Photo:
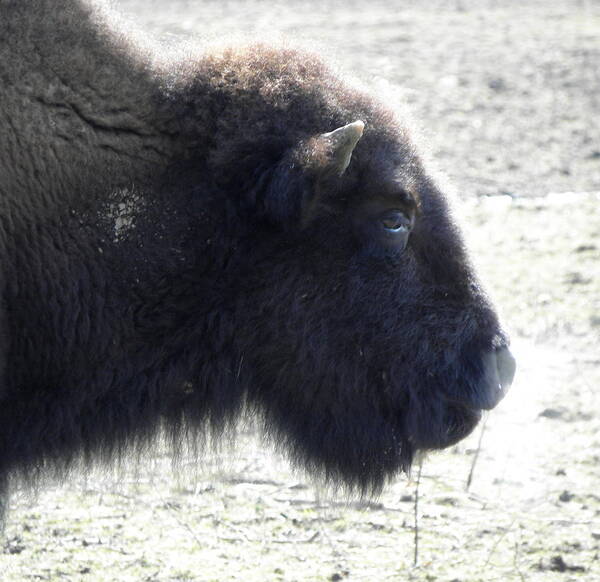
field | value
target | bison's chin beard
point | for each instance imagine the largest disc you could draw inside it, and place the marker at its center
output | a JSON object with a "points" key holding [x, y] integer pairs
{"points": [[367, 442], [361, 459]]}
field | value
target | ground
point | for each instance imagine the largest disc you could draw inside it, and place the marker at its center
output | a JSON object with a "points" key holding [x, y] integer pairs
{"points": [[507, 96]]}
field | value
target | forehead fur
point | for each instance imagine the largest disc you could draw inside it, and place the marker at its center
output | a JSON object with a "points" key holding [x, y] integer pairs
{"points": [[269, 101]]}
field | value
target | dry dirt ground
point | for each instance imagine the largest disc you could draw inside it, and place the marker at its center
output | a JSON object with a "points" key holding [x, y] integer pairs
{"points": [[508, 94]]}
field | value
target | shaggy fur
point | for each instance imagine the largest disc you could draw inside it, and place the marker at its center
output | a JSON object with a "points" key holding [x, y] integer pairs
{"points": [[174, 248]]}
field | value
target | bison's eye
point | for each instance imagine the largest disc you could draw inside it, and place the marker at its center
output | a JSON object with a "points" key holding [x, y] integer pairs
{"points": [[395, 221], [396, 226]]}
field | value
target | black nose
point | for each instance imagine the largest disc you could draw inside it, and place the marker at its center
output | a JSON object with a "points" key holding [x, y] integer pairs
{"points": [[498, 372]]}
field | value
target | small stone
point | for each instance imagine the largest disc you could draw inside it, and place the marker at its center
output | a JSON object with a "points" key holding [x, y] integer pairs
{"points": [[557, 564], [585, 247], [566, 496], [553, 413], [576, 278], [497, 84]]}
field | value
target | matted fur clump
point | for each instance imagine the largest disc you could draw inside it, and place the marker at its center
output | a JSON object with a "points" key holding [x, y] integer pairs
{"points": [[239, 230]]}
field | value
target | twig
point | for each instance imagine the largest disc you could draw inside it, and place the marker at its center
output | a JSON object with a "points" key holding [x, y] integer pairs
{"points": [[499, 539], [169, 507], [416, 514], [516, 562], [476, 456], [308, 540]]}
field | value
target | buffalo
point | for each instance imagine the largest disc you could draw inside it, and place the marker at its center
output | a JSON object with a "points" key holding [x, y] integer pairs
{"points": [[186, 238]]}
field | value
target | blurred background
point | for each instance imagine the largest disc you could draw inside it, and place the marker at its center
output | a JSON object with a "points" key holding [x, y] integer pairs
{"points": [[504, 97]]}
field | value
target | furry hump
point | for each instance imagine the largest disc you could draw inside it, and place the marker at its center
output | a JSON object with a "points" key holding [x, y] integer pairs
{"points": [[241, 230]]}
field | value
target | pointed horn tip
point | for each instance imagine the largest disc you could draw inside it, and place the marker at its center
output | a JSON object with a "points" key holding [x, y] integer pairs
{"points": [[359, 125], [354, 129]]}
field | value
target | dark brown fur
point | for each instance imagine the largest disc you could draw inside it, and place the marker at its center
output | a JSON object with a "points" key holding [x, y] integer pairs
{"points": [[174, 248]]}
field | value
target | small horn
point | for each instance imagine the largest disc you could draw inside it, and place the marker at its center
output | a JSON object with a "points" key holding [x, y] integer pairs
{"points": [[342, 141]]}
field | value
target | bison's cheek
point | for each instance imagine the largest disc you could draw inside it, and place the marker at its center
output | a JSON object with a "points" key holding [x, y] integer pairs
{"points": [[332, 422]]}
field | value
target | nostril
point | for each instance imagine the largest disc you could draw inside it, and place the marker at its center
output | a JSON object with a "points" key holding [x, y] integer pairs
{"points": [[507, 366]]}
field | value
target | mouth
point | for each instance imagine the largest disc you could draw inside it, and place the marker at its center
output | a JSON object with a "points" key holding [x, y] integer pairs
{"points": [[461, 423], [441, 422], [458, 423]]}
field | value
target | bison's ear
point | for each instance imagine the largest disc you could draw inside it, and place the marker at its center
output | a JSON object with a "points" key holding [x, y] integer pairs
{"points": [[292, 188], [340, 144]]}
